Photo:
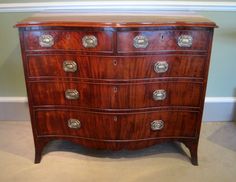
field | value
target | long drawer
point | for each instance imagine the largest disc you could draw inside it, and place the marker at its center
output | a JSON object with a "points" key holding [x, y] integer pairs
{"points": [[116, 126], [100, 67], [116, 96], [56, 40]]}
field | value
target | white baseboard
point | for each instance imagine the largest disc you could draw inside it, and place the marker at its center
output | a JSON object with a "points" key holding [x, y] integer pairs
{"points": [[220, 109], [14, 109], [216, 109]]}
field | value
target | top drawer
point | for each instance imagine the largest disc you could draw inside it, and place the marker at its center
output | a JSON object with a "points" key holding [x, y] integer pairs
{"points": [[162, 40], [55, 40]]}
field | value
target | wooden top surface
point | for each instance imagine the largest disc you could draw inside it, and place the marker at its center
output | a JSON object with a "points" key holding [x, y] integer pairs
{"points": [[116, 20]]}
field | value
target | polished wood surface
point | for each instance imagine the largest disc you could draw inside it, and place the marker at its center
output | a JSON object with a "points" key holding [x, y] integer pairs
{"points": [[69, 41], [115, 80], [116, 20], [106, 126], [162, 40], [117, 96], [50, 66]]}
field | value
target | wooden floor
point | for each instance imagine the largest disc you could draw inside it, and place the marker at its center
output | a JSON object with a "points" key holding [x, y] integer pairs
{"points": [[66, 162]]}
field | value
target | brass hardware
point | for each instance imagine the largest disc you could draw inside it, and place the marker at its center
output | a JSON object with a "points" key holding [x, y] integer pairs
{"points": [[140, 41], [161, 67], [74, 123], [115, 89], [159, 95], [46, 41], [157, 125], [115, 62], [89, 41], [115, 118], [72, 94], [69, 66], [185, 40]]}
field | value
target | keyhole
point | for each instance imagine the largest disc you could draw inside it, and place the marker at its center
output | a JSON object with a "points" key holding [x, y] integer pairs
{"points": [[162, 37], [115, 118], [114, 62], [68, 36], [115, 89]]}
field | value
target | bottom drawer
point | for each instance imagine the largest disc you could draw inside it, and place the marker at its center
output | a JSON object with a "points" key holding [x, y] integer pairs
{"points": [[109, 126]]}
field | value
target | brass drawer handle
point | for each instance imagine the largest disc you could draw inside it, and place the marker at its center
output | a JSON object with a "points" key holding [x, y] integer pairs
{"points": [[89, 41], [161, 67], [159, 95], [185, 41], [74, 123], [46, 40], [157, 125], [140, 41], [72, 94], [69, 66]]}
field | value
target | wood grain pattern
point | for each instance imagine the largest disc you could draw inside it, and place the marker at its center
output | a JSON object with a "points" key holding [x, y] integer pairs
{"points": [[162, 40], [116, 20], [69, 40], [116, 96], [115, 80], [101, 126], [191, 143], [124, 68]]}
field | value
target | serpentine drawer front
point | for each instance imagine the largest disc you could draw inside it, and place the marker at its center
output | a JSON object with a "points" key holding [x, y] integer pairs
{"points": [[107, 126], [101, 67], [116, 82], [116, 96]]}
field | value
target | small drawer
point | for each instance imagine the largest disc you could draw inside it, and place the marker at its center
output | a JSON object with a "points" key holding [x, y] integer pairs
{"points": [[104, 126], [162, 40], [116, 96], [55, 40], [100, 67]]}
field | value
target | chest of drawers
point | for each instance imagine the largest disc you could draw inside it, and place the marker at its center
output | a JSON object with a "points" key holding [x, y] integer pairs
{"points": [[116, 82]]}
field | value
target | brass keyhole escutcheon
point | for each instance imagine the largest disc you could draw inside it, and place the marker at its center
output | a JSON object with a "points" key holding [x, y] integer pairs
{"points": [[115, 62], [68, 36], [115, 118], [115, 89]]}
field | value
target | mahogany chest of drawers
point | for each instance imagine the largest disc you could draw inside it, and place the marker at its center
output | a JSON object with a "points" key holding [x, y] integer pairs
{"points": [[116, 82]]}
